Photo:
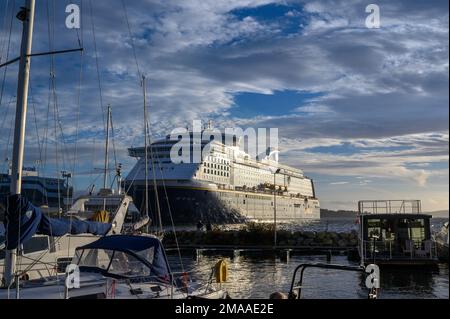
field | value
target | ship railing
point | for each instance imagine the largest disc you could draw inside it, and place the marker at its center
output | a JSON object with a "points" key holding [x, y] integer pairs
{"points": [[389, 249], [389, 207]]}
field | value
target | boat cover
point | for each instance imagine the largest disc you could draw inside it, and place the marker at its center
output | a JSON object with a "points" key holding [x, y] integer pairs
{"points": [[23, 220], [136, 244]]}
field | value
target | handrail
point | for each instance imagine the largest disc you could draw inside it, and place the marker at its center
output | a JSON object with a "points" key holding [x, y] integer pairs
{"points": [[316, 265], [381, 248]]}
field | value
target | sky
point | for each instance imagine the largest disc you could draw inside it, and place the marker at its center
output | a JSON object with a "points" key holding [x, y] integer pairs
{"points": [[364, 112]]}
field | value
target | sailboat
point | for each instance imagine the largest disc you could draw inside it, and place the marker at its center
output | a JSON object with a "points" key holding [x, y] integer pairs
{"points": [[45, 255], [133, 260]]}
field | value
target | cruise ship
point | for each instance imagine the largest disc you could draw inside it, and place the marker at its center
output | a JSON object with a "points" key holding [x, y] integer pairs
{"points": [[226, 186]]}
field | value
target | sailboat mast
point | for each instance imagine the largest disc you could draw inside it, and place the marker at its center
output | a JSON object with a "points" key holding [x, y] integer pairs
{"points": [[27, 17], [144, 85], [105, 177]]}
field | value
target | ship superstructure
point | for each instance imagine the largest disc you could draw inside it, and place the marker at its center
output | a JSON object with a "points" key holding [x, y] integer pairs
{"points": [[227, 185]]}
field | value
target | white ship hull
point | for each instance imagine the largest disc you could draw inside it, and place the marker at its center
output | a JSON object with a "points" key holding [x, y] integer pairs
{"points": [[225, 186]]}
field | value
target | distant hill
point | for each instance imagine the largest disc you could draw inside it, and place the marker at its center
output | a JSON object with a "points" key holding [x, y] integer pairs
{"points": [[439, 213], [345, 214], [348, 214]]}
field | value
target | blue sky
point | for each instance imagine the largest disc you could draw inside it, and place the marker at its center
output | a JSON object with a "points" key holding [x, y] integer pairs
{"points": [[362, 111]]}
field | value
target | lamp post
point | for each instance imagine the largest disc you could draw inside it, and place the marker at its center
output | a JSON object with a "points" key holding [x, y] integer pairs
{"points": [[275, 207]]}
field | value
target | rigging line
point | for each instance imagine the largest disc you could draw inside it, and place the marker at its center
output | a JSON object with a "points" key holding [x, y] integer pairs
{"points": [[154, 180], [97, 65], [147, 131], [7, 54], [55, 95], [46, 137], [77, 131], [147, 138], [70, 201], [39, 258], [33, 105], [93, 158], [80, 42], [166, 197], [6, 112], [8, 142], [56, 148], [49, 98], [113, 142], [171, 217], [3, 36], [132, 39]]}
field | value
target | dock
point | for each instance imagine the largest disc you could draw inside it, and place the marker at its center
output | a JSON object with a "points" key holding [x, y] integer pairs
{"points": [[283, 252]]}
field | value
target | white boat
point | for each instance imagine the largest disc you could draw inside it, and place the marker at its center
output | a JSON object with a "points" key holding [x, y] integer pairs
{"points": [[119, 267], [132, 266], [44, 256]]}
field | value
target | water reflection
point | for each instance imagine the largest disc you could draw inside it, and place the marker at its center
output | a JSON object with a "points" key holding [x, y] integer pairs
{"points": [[255, 277]]}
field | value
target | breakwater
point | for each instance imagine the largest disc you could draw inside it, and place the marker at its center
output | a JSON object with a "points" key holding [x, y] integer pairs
{"points": [[262, 235]]}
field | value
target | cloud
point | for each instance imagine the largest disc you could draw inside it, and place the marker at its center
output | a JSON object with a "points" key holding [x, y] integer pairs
{"points": [[378, 88]]}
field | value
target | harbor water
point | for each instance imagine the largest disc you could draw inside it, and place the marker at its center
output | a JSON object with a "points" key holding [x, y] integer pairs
{"points": [[256, 276]]}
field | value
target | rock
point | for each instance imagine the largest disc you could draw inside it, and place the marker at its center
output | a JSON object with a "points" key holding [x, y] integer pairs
{"points": [[333, 236], [342, 243], [309, 234]]}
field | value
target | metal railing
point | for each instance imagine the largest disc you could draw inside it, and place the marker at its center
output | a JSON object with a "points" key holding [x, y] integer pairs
{"points": [[303, 267], [388, 249], [390, 207]]}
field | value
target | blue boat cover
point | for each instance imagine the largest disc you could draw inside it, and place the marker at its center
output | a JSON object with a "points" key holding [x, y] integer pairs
{"points": [[136, 244], [23, 220]]}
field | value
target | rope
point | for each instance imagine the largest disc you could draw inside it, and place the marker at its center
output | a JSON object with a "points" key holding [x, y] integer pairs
{"points": [[132, 39], [97, 65], [114, 143], [80, 43], [3, 37], [171, 217], [33, 105], [7, 52], [8, 142]]}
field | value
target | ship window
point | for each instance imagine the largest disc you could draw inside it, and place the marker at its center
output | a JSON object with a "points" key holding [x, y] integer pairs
{"points": [[244, 201], [36, 244]]}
